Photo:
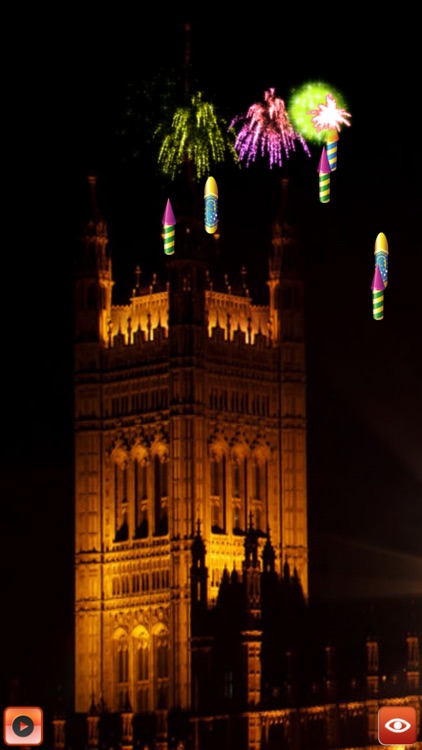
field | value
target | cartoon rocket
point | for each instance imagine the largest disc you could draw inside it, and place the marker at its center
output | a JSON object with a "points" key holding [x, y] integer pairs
{"points": [[211, 205], [381, 256], [169, 223]]}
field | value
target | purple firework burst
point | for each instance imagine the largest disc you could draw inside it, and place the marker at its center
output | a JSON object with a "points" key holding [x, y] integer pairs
{"points": [[266, 129]]}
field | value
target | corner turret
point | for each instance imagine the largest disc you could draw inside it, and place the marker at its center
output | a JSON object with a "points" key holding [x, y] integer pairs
{"points": [[93, 277]]}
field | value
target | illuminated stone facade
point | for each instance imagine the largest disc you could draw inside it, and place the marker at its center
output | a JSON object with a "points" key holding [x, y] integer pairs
{"points": [[190, 504], [189, 408]]}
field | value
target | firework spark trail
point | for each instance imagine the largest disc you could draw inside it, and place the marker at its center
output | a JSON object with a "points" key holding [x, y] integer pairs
{"points": [[196, 135], [266, 129], [328, 116]]}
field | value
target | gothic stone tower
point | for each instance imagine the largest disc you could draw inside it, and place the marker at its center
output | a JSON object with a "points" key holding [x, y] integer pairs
{"points": [[189, 413]]}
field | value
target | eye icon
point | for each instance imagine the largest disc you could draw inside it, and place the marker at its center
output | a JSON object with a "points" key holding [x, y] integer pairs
{"points": [[397, 725]]}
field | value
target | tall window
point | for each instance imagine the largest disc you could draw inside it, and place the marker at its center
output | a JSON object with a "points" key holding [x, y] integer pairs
{"points": [[236, 479], [216, 516], [160, 496], [257, 477], [164, 478], [120, 501], [260, 484], [237, 517], [121, 669], [218, 495], [162, 659], [257, 490], [215, 479], [142, 654], [162, 669], [239, 492], [141, 499]]}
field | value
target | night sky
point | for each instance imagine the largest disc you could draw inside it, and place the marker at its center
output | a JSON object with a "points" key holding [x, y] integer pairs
{"points": [[69, 85]]}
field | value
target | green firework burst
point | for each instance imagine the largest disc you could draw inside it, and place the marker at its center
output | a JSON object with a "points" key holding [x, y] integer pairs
{"points": [[305, 99]]}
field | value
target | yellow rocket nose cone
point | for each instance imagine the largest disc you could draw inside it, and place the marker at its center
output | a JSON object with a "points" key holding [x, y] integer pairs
{"points": [[381, 244], [211, 188]]}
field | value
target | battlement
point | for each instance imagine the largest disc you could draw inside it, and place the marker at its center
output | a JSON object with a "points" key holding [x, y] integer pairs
{"points": [[230, 318]]}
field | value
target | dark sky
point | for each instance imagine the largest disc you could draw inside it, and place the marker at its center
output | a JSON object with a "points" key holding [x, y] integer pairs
{"points": [[66, 92]]}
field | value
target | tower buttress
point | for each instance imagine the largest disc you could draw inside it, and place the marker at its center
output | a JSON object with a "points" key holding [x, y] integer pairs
{"points": [[93, 277]]}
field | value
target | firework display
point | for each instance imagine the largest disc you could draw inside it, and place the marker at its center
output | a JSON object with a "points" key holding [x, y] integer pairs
{"points": [[197, 135], [310, 116], [266, 130]]}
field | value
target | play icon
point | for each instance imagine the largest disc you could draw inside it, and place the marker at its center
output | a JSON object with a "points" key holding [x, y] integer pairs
{"points": [[23, 725]]}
